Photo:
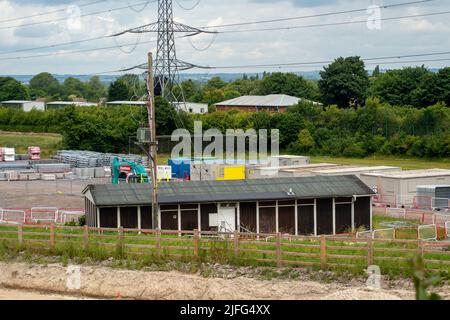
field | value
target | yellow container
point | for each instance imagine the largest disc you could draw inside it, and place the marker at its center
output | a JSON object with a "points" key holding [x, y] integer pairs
{"points": [[233, 173]]}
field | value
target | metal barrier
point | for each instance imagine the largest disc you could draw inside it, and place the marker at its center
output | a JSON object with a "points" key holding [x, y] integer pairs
{"points": [[40, 215], [43, 214]]}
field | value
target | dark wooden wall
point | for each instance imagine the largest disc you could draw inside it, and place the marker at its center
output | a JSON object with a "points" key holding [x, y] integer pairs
{"points": [[306, 220], [108, 217], [146, 218], [248, 215], [286, 219], [91, 213], [189, 217], [267, 220], [169, 217], [343, 218], [362, 212], [129, 217], [205, 210], [324, 216]]}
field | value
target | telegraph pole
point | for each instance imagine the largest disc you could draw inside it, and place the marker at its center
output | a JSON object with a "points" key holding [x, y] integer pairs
{"points": [[153, 141]]}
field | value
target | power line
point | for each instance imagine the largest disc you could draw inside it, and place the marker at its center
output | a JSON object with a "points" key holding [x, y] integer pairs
{"points": [[230, 31], [336, 23], [313, 16], [51, 12], [67, 18], [60, 53], [323, 62], [280, 66], [317, 63]]}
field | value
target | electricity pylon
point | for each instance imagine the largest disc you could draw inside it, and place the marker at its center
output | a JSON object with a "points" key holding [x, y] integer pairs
{"points": [[167, 65]]}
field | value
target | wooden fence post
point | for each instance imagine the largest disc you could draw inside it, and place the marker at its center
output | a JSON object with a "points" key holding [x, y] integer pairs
{"points": [[86, 237], [158, 242], [420, 248], [323, 252], [20, 234], [52, 236], [196, 243], [369, 252], [279, 251], [236, 243], [120, 240]]}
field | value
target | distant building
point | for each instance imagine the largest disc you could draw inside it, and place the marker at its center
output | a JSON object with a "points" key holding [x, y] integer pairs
{"points": [[126, 103], [271, 103], [24, 105], [192, 107], [399, 188], [63, 104]]}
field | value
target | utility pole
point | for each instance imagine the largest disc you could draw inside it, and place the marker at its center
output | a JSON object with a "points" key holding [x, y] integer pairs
{"points": [[153, 141]]}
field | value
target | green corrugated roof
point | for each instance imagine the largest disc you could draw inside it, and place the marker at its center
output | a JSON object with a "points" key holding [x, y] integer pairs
{"points": [[222, 191]]}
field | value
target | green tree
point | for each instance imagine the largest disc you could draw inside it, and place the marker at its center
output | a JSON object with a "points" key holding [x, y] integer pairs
{"points": [[345, 82], [73, 87], [215, 83], [398, 87], [95, 89], [11, 89], [376, 72], [127, 87], [44, 85], [286, 83], [305, 142], [118, 91]]}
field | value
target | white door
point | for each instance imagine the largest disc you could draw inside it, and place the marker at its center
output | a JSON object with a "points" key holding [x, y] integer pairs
{"points": [[227, 219]]}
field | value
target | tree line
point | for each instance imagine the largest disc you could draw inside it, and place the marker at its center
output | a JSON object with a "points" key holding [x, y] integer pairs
{"points": [[345, 83], [377, 128]]}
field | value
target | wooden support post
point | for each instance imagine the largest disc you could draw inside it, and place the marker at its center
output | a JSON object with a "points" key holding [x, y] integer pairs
{"points": [[120, 239], [86, 237], [196, 237], [323, 252], [20, 234], [279, 251], [369, 252], [236, 243], [52, 236], [158, 242], [420, 248]]}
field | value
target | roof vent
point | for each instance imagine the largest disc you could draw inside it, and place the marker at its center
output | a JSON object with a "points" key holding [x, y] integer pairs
{"points": [[290, 192]]}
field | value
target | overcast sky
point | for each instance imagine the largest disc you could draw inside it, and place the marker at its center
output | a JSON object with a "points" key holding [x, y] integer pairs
{"points": [[396, 37]]}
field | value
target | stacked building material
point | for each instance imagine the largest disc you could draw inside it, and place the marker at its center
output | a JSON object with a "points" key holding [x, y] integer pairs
{"points": [[14, 166], [52, 168], [90, 159]]}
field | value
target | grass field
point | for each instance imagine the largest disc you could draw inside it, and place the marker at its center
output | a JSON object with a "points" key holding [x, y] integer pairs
{"points": [[405, 163], [49, 143]]}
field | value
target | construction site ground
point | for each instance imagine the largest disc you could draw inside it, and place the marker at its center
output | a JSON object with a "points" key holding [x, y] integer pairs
{"points": [[39, 193], [19, 280]]}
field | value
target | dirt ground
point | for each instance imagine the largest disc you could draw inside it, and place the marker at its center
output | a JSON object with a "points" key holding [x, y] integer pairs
{"points": [[7, 294], [112, 283]]}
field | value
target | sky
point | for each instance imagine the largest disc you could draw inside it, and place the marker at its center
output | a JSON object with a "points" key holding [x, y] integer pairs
{"points": [[415, 35]]}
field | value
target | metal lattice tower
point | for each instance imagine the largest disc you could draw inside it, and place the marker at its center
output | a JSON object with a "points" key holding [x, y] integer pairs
{"points": [[166, 68], [167, 65]]}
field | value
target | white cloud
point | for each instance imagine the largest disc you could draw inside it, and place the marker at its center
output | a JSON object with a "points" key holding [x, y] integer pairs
{"points": [[305, 44]]}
